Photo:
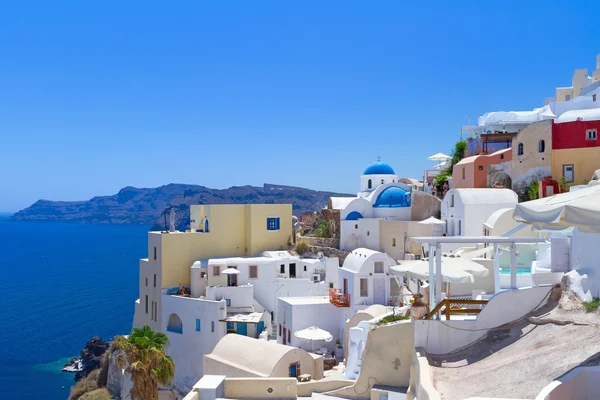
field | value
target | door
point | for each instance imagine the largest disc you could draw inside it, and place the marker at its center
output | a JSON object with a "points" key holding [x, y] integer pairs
{"points": [[260, 328], [284, 335], [294, 370], [242, 329], [230, 326], [560, 253], [568, 173], [379, 291], [292, 270]]}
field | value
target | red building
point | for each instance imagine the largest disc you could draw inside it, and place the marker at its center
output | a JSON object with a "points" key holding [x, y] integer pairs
{"points": [[576, 146]]}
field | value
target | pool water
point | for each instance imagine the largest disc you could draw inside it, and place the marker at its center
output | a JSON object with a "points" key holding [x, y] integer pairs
{"points": [[520, 271]]}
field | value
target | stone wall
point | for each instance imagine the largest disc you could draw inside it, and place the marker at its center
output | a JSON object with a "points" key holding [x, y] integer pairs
{"points": [[318, 241], [424, 205], [329, 252]]}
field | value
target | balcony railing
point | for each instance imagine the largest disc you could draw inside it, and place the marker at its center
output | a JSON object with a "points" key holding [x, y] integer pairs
{"points": [[454, 306], [339, 299]]}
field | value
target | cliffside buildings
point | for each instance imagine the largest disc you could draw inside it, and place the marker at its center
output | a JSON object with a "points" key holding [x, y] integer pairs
{"points": [[384, 213]]}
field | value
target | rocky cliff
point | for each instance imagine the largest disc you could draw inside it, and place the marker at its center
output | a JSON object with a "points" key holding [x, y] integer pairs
{"points": [[145, 206]]}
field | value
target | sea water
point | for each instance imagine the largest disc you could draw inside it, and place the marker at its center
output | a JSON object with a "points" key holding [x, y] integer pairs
{"points": [[61, 284]]}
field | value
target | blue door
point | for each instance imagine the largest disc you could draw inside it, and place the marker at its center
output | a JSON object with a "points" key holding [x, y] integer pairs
{"points": [[242, 329], [260, 328], [294, 371], [230, 326]]}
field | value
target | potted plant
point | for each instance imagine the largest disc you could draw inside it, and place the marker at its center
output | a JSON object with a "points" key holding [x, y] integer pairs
{"points": [[338, 344]]}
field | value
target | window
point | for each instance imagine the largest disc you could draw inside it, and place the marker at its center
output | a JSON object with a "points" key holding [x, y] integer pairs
{"points": [[480, 168], [569, 172], [197, 325], [368, 233], [282, 269], [591, 134], [146, 281], [567, 97], [289, 335], [502, 156], [273, 223], [382, 181], [369, 184], [146, 304], [155, 311], [452, 201], [253, 271], [212, 326], [355, 226], [279, 329], [463, 172], [154, 280], [594, 98], [305, 268], [520, 149], [152, 311], [393, 242], [228, 302], [216, 270], [459, 227], [379, 267], [155, 252], [542, 146], [364, 287]]}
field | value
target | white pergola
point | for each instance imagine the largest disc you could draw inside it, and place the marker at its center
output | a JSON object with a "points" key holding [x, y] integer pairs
{"points": [[435, 245]]}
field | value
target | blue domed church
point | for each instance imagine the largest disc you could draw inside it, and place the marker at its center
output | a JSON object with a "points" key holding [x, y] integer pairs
{"points": [[381, 197]]}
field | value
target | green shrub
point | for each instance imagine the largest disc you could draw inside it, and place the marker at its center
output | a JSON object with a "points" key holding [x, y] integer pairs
{"points": [[98, 394], [593, 305], [322, 230], [392, 318], [301, 248], [533, 190]]}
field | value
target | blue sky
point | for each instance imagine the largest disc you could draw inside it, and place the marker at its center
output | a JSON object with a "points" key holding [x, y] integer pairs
{"points": [[95, 96]]}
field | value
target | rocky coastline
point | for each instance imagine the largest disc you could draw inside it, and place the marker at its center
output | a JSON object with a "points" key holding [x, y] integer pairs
{"points": [[89, 359]]}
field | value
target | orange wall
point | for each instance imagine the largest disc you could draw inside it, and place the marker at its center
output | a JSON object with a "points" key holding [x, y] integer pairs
{"points": [[475, 169]]}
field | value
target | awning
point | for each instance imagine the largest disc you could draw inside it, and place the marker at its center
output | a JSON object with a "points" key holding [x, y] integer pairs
{"points": [[417, 269], [579, 208], [230, 271]]}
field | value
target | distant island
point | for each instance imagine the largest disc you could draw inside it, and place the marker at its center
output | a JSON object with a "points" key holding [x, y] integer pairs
{"points": [[145, 206]]}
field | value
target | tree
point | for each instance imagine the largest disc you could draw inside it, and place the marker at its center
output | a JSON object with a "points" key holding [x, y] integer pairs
{"points": [[145, 359]]}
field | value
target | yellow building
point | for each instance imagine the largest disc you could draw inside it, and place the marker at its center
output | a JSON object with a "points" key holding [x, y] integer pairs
{"points": [[220, 230]]}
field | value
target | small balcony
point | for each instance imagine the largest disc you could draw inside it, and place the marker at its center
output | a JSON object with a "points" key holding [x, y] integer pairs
{"points": [[339, 299]]}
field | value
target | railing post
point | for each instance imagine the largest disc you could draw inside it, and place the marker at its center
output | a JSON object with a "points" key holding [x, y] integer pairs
{"points": [[447, 309]]}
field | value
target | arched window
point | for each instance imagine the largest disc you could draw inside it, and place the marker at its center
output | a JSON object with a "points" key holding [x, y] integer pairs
{"points": [[382, 181], [542, 146], [520, 149], [369, 184], [175, 324]]}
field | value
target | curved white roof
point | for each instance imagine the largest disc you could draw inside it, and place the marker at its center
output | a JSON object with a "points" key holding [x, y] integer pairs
{"points": [[496, 117], [339, 203], [355, 260], [259, 356], [491, 221], [480, 196], [579, 115]]}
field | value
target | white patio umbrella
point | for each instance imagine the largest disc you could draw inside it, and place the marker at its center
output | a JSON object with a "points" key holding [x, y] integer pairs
{"points": [[230, 271], [432, 221], [580, 208], [417, 269], [439, 157], [313, 334]]}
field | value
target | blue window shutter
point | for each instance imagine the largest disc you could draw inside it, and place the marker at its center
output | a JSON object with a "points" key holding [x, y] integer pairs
{"points": [[228, 302], [268, 224], [197, 325], [277, 222]]}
